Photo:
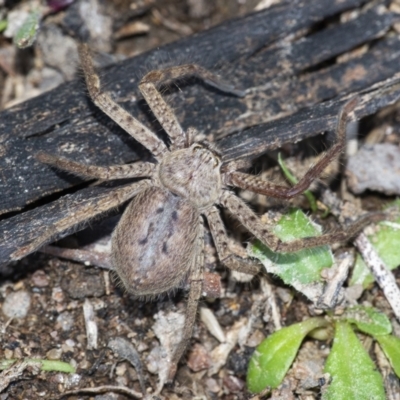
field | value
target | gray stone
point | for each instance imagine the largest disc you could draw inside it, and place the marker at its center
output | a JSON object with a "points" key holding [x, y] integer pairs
{"points": [[375, 167], [16, 304]]}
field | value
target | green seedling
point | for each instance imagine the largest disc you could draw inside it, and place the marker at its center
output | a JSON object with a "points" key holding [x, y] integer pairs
{"points": [[353, 374], [274, 356], [46, 365]]}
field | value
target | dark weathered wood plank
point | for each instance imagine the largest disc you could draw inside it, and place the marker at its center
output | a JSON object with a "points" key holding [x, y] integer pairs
{"points": [[64, 121], [23, 228], [305, 123]]}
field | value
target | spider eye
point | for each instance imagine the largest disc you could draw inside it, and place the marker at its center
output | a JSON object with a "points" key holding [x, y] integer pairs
{"points": [[217, 162], [197, 147]]}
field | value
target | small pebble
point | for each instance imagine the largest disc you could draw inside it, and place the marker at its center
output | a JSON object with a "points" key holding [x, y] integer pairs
{"points": [[375, 167], [65, 321], [199, 358], [255, 338], [84, 364], [233, 383], [65, 348], [70, 343], [18, 353], [156, 360], [121, 369], [40, 279], [57, 295], [54, 335], [73, 380], [16, 304], [57, 378], [212, 385], [54, 354], [142, 346], [8, 354]]}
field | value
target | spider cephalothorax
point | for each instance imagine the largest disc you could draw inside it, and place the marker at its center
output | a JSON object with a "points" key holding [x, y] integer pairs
{"points": [[194, 174]]}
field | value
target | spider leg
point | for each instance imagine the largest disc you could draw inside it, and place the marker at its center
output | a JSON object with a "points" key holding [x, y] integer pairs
{"points": [[131, 125], [257, 185], [160, 108], [196, 284], [136, 170], [225, 255], [246, 216], [85, 211]]}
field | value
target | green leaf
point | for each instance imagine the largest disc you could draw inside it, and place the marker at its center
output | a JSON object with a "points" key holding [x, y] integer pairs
{"points": [[353, 373], [385, 241], [47, 365], [26, 34], [368, 320], [391, 347], [274, 356], [304, 266]]}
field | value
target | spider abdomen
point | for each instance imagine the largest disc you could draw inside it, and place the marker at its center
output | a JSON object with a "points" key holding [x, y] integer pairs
{"points": [[153, 245]]}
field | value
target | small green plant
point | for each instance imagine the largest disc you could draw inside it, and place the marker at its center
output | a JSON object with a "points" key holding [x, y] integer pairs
{"points": [[353, 373]]}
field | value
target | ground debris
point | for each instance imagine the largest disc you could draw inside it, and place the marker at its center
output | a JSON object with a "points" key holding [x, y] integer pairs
{"points": [[375, 167]]}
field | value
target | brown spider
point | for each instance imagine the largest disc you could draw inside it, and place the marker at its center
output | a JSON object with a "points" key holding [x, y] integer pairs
{"points": [[159, 240]]}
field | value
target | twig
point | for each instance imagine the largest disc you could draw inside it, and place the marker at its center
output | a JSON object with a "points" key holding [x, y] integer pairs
{"points": [[383, 276], [103, 389]]}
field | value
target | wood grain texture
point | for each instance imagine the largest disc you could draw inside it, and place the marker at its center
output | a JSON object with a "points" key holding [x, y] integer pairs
{"points": [[280, 56]]}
